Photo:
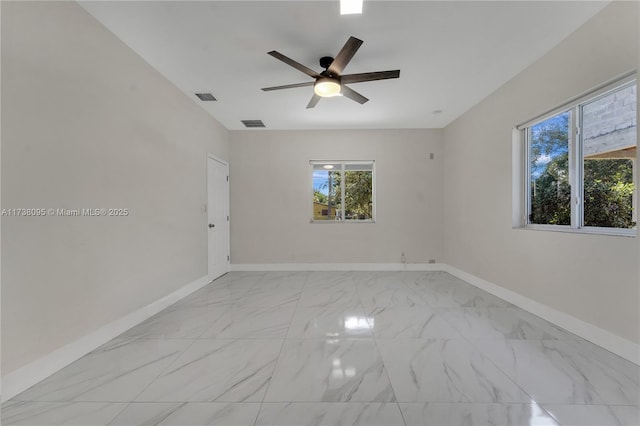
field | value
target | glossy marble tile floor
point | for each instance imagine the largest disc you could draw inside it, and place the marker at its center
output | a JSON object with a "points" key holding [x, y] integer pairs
{"points": [[338, 348]]}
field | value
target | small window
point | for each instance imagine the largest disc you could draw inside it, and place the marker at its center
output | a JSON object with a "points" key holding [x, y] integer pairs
{"points": [[580, 163], [343, 191]]}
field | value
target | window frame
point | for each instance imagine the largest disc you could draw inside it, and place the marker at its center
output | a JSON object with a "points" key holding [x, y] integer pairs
{"points": [[576, 161], [343, 163]]}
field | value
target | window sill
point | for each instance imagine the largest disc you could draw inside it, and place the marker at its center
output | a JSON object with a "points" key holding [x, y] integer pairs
{"points": [[587, 230], [342, 221]]}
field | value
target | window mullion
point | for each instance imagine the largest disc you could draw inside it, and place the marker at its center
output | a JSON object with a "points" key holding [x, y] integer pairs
{"points": [[579, 167], [574, 168], [342, 193]]}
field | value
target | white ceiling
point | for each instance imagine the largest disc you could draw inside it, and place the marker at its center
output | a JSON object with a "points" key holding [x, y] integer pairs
{"points": [[451, 54]]}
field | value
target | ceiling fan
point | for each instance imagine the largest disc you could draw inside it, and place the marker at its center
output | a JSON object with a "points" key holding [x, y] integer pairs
{"points": [[331, 82]]}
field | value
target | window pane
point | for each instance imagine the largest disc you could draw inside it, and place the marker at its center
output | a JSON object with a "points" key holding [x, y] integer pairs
{"points": [[325, 182], [550, 190], [609, 154], [359, 194]]}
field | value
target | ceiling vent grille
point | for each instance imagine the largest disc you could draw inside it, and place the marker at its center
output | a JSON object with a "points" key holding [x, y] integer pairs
{"points": [[253, 123], [206, 97]]}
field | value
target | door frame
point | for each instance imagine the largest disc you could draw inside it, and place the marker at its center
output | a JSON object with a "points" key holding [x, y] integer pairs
{"points": [[228, 222]]}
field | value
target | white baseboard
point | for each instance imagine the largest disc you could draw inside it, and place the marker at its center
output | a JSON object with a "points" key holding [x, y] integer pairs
{"points": [[34, 372], [337, 267], [611, 342]]}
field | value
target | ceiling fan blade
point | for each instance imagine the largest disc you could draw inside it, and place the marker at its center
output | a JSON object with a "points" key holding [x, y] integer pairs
{"points": [[296, 65], [369, 76], [344, 56], [353, 95], [314, 100], [289, 86]]}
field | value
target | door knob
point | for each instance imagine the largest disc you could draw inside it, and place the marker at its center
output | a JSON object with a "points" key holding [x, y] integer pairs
{"points": [[211, 225]]}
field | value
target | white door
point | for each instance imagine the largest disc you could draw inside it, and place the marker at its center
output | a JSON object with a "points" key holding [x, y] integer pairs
{"points": [[218, 217]]}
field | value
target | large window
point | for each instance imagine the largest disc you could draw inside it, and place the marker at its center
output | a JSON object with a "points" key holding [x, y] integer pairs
{"points": [[343, 191], [580, 163]]}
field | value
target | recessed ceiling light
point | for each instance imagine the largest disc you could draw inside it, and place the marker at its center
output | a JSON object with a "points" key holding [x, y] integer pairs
{"points": [[350, 7], [436, 112], [328, 166]]}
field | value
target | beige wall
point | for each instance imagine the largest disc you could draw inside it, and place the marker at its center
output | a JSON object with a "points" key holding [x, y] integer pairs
{"points": [[271, 197], [87, 124], [592, 277]]}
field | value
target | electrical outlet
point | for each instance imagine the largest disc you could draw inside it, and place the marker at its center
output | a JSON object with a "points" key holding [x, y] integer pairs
{"points": [[431, 261], [431, 156]]}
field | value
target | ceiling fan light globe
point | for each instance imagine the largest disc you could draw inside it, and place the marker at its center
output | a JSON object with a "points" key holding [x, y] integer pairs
{"points": [[327, 87]]}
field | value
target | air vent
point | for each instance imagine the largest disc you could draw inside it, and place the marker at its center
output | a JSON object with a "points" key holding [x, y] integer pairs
{"points": [[253, 123], [206, 97]]}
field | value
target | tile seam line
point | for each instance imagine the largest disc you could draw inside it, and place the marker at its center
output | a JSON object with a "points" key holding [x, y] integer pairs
{"points": [[275, 366], [375, 341], [182, 352]]}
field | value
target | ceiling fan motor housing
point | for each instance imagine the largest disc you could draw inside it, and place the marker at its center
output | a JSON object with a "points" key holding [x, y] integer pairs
{"points": [[326, 61]]}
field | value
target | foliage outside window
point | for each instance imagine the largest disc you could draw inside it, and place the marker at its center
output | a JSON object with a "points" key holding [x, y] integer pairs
{"points": [[343, 191], [581, 163]]}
